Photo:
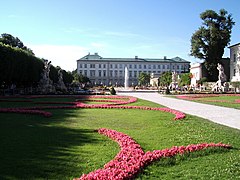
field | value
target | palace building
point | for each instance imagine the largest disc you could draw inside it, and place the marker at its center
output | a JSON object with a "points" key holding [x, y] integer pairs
{"points": [[235, 62], [110, 71]]}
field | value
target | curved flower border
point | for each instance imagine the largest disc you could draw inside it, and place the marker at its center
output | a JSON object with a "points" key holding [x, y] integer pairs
{"points": [[115, 103], [131, 159], [199, 97]]}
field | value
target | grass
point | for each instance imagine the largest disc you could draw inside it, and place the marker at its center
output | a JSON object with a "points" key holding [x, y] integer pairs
{"points": [[227, 101], [222, 100], [65, 145]]}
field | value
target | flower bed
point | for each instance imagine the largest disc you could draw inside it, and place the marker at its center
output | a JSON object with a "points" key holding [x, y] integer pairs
{"points": [[131, 158], [115, 101], [200, 97]]}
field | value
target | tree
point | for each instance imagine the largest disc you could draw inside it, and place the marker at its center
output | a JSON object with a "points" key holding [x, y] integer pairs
{"points": [[144, 78], [185, 79], [79, 78], [165, 79], [8, 39], [209, 41]]}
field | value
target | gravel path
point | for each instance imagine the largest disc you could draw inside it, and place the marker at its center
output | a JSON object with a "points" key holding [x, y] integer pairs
{"points": [[221, 115]]}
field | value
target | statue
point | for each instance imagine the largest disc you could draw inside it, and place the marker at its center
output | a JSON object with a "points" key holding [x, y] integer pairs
{"points": [[47, 66], [174, 83], [46, 84], [61, 86], [221, 84], [221, 74]]}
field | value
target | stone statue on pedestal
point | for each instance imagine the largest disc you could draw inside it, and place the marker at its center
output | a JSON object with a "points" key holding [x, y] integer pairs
{"points": [[174, 83], [61, 86], [221, 85], [46, 84]]}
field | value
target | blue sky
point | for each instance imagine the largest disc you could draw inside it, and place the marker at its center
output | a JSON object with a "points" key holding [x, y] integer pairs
{"points": [[64, 31]]}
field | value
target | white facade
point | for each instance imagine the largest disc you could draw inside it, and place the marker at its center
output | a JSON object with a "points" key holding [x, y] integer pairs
{"points": [[196, 70], [111, 71], [235, 62]]}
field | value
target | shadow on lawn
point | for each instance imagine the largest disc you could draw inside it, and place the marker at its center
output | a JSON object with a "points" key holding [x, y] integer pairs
{"points": [[34, 147]]}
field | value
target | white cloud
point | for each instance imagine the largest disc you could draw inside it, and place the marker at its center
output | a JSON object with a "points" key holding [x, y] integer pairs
{"points": [[64, 56]]}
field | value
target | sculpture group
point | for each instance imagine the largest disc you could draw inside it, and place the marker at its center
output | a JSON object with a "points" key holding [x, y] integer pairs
{"points": [[221, 85], [46, 85]]}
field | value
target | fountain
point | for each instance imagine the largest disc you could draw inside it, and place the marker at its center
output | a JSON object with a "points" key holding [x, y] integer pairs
{"points": [[126, 81]]}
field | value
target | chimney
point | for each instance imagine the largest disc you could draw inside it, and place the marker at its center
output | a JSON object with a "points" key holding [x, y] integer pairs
{"points": [[136, 57], [165, 57], [96, 54]]}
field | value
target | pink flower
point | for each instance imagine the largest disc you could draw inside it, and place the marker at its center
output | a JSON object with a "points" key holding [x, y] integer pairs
{"points": [[131, 158]]}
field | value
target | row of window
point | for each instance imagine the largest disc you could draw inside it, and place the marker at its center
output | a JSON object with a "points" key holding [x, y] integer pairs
{"points": [[114, 73], [135, 66]]}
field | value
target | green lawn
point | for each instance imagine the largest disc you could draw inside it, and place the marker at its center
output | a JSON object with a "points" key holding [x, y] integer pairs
{"points": [[221, 100], [65, 145], [227, 101]]}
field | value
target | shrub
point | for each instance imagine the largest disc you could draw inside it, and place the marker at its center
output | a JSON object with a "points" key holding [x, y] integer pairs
{"points": [[112, 91]]}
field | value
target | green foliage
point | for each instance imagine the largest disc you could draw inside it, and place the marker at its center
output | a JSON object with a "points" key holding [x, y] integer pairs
{"points": [[209, 41], [8, 39], [18, 66], [165, 79], [235, 84], [112, 91], [144, 79], [185, 79], [79, 78], [22, 68], [202, 80]]}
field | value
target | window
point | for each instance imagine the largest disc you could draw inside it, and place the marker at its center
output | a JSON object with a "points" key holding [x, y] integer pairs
{"points": [[111, 66], [159, 66], [99, 65], [145, 66], [116, 66], [130, 66], [85, 65], [120, 73], [116, 73], [110, 73], [149, 66], [234, 57], [154, 66], [135, 66], [85, 73], [234, 72], [104, 65], [92, 65], [80, 65], [104, 73], [99, 73], [130, 73], [92, 73], [120, 65], [135, 74], [140, 66], [163, 66]]}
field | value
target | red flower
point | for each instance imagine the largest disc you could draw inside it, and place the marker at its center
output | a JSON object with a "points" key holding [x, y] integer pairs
{"points": [[131, 159]]}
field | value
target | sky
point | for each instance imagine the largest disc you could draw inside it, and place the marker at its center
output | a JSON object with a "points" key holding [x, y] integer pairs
{"points": [[64, 31]]}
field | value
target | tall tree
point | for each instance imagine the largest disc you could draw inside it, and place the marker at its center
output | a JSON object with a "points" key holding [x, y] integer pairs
{"points": [[10, 40], [165, 79], [209, 41], [144, 78]]}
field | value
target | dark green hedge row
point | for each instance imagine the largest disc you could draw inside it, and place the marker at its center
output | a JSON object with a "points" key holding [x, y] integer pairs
{"points": [[21, 68]]}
